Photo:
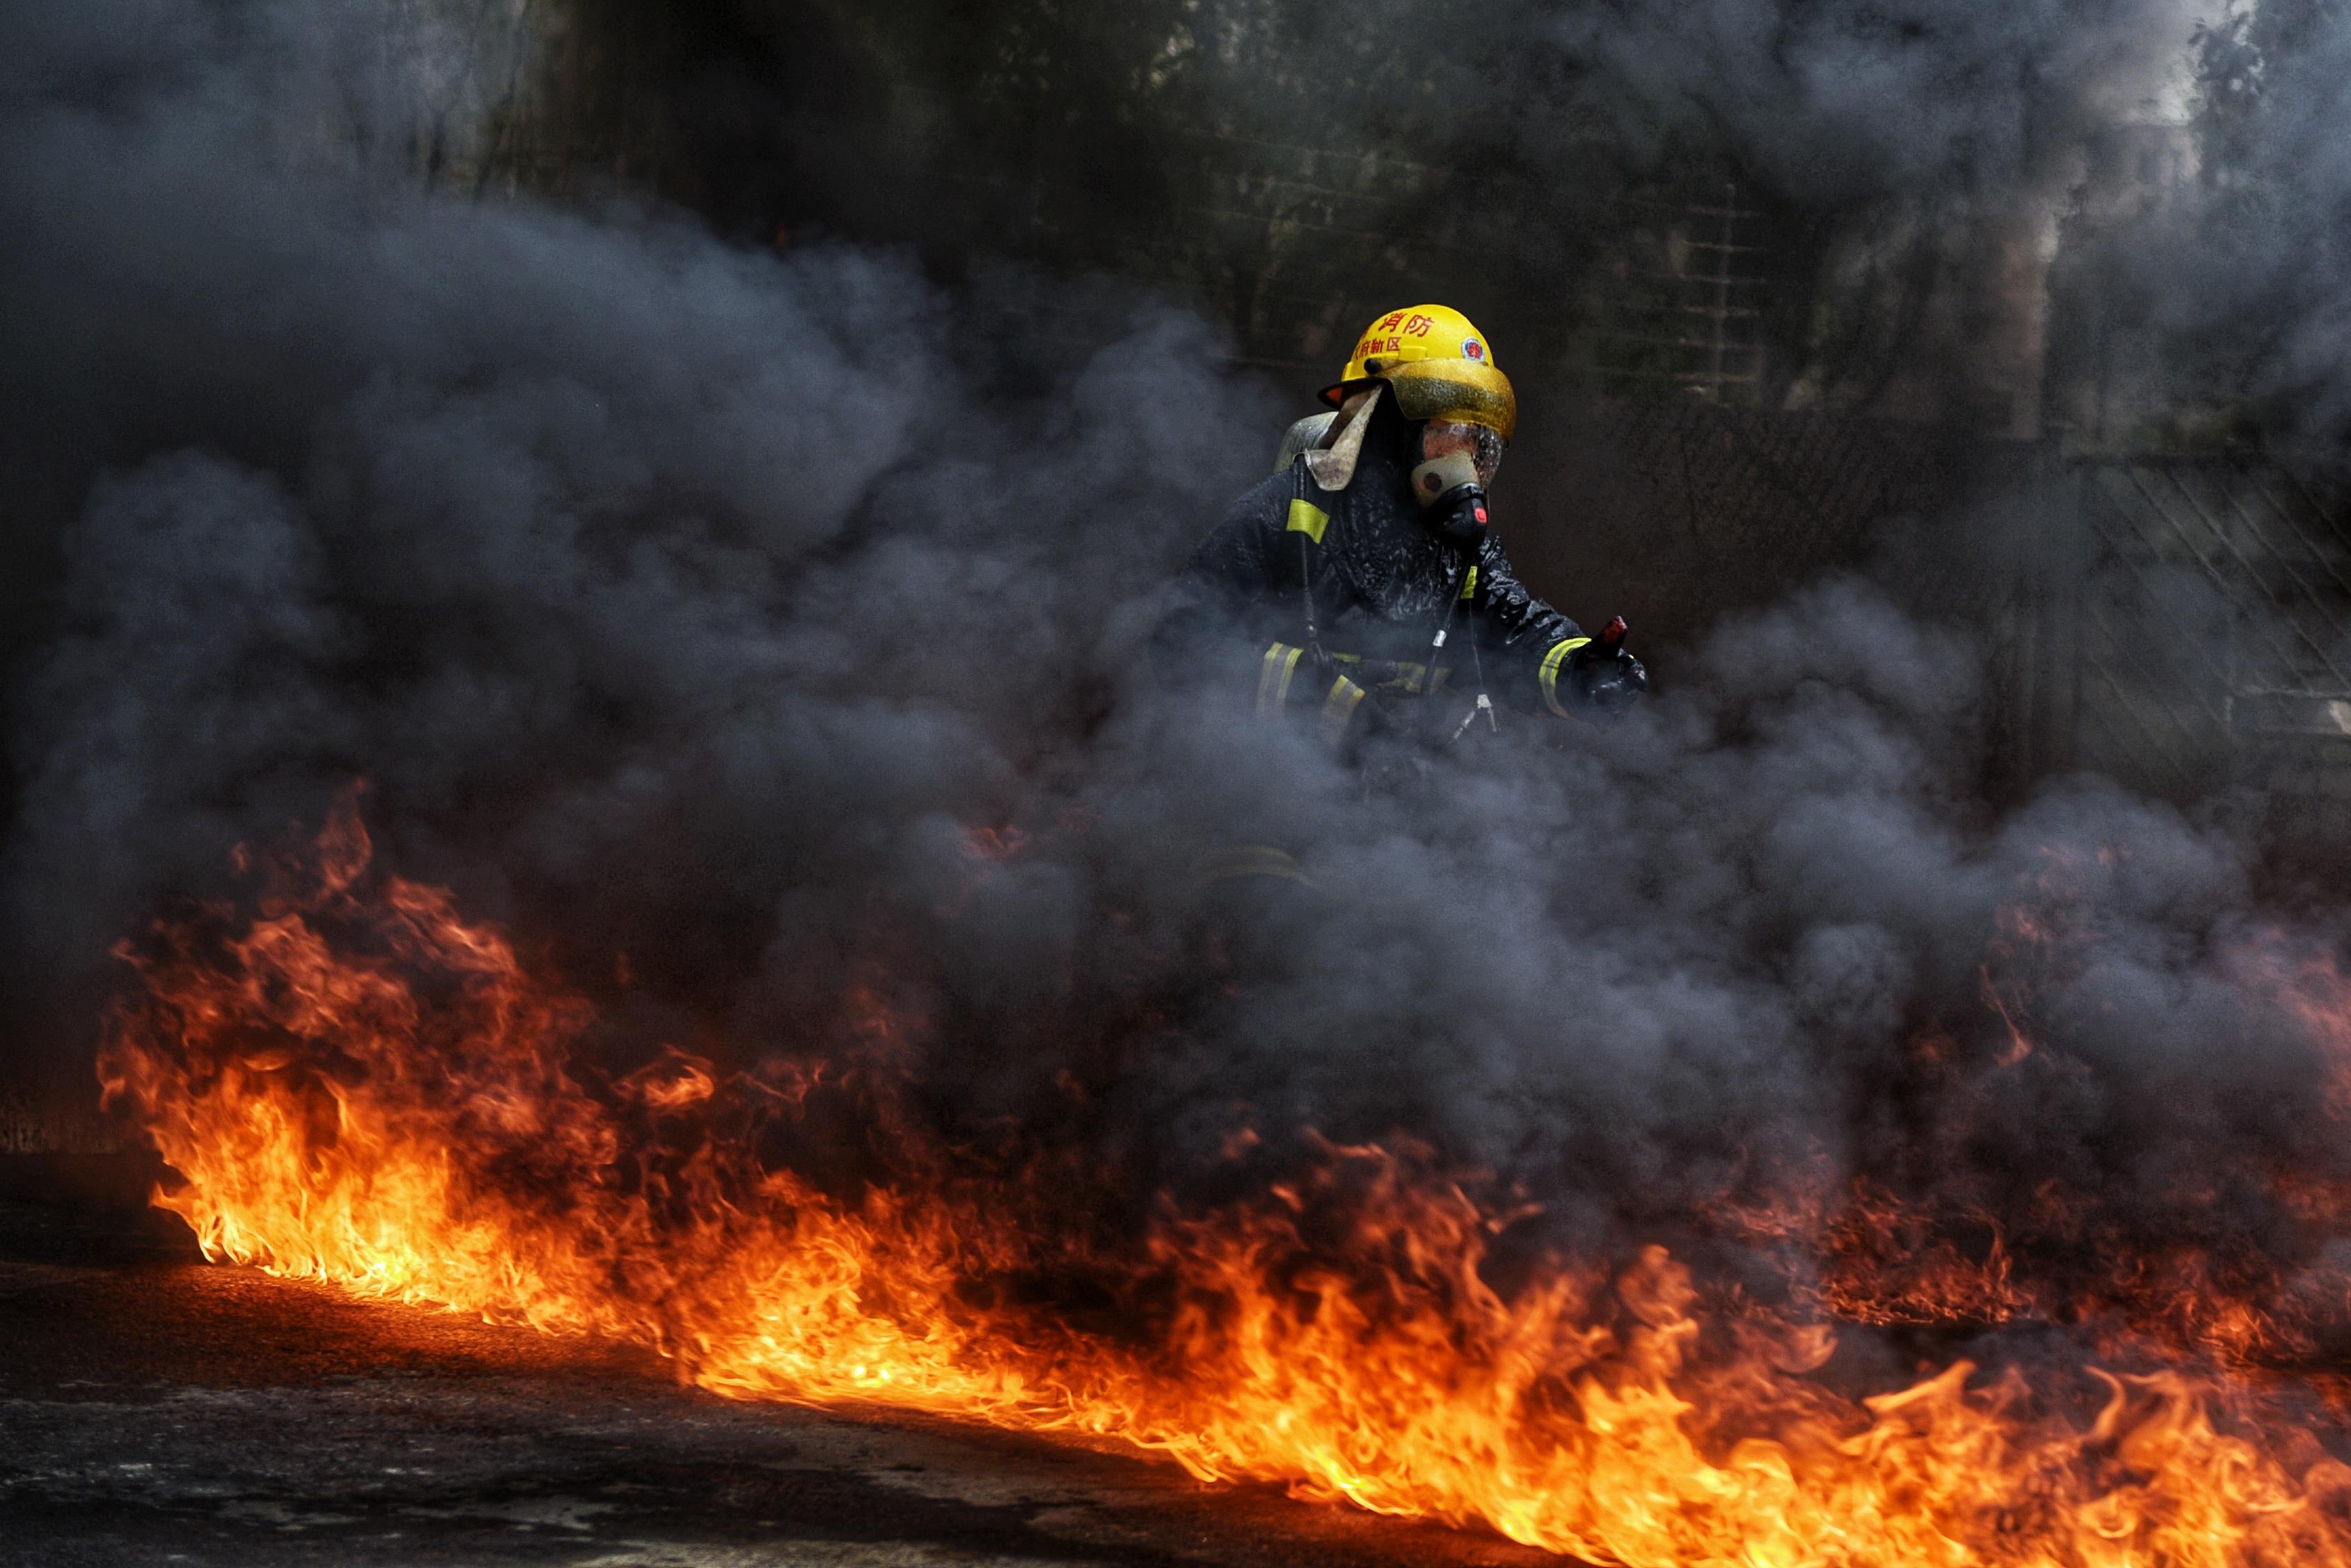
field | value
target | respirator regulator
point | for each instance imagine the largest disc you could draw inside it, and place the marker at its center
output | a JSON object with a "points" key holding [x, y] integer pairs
{"points": [[1458, 461]]}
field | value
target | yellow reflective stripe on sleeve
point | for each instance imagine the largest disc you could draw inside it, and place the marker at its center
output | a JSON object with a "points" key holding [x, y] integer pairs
{"points": [[1548, 673], [1273, 676], [1339, 709], [1469, 584], [1308, 519]]}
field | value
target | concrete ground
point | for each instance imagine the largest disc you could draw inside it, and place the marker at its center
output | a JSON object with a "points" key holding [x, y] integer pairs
{"points": [[156, 1410]]}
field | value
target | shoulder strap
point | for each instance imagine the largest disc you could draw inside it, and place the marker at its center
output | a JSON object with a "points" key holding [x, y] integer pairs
{"points": [[1306, 520]]}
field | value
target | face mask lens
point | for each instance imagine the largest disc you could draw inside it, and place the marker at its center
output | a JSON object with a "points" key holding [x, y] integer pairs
{"points": [[1490, 453], [1484, 447]]}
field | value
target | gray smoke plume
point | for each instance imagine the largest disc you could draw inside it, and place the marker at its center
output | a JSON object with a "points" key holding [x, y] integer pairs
{"points": [[696, 611]]}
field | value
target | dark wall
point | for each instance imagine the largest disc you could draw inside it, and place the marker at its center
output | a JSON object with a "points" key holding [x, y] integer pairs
{"points": [[1288, 174], [1287, 184]]}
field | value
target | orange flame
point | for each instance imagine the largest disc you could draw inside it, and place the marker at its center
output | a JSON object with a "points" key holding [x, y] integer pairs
{"points": [[359, 1086]]}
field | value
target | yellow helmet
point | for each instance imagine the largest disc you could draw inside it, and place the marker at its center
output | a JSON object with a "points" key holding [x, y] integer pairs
{"points": [[1437, 364]]}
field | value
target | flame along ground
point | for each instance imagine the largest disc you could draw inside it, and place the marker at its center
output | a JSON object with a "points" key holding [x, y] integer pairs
{"points": [[360, 1086]]}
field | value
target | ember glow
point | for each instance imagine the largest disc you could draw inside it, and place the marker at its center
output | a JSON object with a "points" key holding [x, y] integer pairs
{"points": [[360, 1085]]}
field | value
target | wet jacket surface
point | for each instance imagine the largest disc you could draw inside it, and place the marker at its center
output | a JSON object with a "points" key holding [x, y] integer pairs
{"points": [[1380, 581]]}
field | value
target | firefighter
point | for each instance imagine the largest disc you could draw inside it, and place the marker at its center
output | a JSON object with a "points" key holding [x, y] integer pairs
{"points": [[1366, 568]]}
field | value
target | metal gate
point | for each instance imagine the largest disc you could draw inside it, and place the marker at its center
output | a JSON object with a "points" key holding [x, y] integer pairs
{"points": [[2212, 637]]}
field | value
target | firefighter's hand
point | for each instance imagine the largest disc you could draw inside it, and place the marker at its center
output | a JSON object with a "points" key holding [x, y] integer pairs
{"points": [[1614, 684], [1607, 676]]}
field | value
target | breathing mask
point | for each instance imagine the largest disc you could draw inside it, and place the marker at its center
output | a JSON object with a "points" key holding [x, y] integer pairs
{"points": [[1458, 460]]}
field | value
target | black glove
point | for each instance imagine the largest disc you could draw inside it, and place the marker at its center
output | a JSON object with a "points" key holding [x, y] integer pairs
{"points": [[1606, 677]]}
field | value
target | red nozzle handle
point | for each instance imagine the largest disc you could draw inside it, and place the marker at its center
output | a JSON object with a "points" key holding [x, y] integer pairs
{"points": [[1612, 636]]}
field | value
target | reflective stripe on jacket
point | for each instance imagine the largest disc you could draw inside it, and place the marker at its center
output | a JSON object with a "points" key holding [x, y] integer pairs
{"points": [[1380, 581]]}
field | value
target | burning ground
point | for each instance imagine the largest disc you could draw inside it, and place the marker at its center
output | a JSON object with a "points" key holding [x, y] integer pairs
{"points": [[769, 937], [160, 1411], [362, 1087]]}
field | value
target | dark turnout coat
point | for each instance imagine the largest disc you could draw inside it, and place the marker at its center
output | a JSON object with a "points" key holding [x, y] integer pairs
{"points": [[1378, 583]]}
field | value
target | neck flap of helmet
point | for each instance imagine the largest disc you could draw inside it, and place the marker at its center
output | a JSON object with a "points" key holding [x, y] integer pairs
{"points": [[1333, 463]]}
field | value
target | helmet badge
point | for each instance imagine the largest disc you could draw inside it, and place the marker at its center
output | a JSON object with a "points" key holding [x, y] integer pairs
{"points": [[1471, 349]]}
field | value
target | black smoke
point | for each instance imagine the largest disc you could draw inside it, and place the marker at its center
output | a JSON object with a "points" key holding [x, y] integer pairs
{"points": [[712, 616]]}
